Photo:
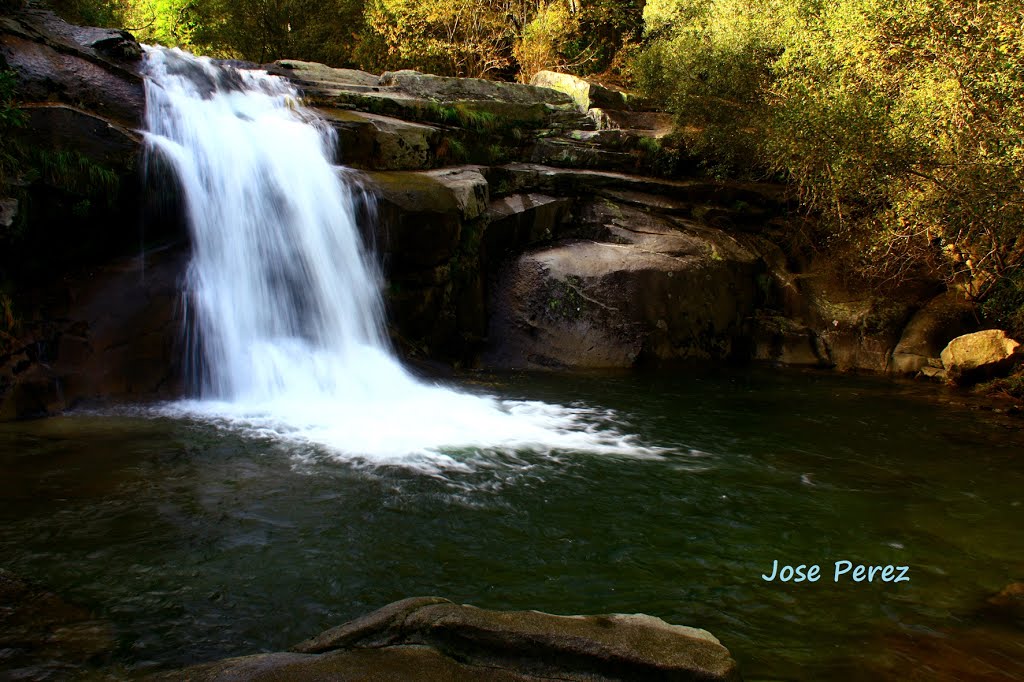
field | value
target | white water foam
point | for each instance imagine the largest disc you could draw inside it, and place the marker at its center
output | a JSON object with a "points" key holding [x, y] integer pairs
{"points": [[286, 316]]}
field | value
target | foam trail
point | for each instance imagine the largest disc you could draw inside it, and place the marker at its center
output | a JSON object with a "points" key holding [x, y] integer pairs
{"points": [[286, 318]]}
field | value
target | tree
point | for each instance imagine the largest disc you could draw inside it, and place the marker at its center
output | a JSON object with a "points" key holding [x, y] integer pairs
{"points": [[542, 40], [901, 123], [448, 37]]}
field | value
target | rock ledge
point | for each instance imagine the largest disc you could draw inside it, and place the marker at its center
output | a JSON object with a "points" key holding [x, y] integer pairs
{"points": [[430, 638]]}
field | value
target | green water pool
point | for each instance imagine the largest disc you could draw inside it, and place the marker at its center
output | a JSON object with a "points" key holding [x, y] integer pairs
{"points": [[195, 543]]}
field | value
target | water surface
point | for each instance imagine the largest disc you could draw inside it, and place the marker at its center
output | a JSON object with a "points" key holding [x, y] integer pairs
{"points": [[197, 541]]}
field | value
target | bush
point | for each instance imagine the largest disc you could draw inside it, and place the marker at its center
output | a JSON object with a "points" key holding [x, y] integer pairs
{"points": [[901, 123], [539, 47]]}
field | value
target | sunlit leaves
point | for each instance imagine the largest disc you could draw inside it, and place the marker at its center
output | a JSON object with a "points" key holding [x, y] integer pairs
{"points": [[901, 121]]}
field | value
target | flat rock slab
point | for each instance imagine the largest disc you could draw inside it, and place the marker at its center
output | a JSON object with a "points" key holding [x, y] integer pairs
{"points": [[429, 638], [423, 97]]}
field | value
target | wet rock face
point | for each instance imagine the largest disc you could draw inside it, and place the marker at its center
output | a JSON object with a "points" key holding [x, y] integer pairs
{"points": [[90, 68], [83, 100], [97, 320], [115, 333], [429, 638]]}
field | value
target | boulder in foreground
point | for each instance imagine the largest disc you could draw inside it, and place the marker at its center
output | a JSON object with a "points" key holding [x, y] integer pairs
{"points": [[975, 357], [429, 638]]}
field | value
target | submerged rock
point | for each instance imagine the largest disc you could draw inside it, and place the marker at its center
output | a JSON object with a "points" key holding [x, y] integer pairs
{"points": [[429, 638], [44, 637], [982, 355], [1007, 605]]}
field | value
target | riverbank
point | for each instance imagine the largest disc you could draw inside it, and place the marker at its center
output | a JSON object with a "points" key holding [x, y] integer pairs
{"points": [[518, 227]]}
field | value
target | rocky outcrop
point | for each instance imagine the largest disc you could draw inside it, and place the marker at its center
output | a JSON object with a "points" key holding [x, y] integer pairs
{"points": [[585, 94], [376, 142], [420, 97], [428, 236], [83, 101], [450, 240], [945, 317], [975, 357], [778, 339], [406, 120], [859, 329], [88, 324], [89, 68], [113, 333], [642, 288], [430, 638], [518, 226]]}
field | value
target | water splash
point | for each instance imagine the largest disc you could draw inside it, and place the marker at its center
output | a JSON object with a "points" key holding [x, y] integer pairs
{"points": [[286, 319]]}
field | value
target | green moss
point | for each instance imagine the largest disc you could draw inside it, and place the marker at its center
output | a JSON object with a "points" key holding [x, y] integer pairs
{"points": [[566, 298]]}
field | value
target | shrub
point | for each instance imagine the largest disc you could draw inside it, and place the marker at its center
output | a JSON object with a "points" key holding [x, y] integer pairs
{"points": [[901, 123]]}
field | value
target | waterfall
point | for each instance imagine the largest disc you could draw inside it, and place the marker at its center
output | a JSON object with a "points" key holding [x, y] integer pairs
{"points": [[284, 306]]}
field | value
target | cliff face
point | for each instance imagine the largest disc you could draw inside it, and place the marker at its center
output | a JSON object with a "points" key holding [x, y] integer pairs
{"points": [[519, 226], [92, 317]]}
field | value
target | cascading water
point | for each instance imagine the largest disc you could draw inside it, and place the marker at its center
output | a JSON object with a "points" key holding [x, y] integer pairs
{"points": [[285, 305]]}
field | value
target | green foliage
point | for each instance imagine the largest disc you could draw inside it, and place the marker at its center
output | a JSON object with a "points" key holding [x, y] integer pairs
{"points": [[1004, 306], [76, 174], [901, 123], [447, 37], [255, 30], [260, 31], [88, 12], [166, 22], [462, 116], [1006, 387], [10, 118], [481, 121], [606, 27], [487, 38], [452, 150], [479, 38], [541, 44]]}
